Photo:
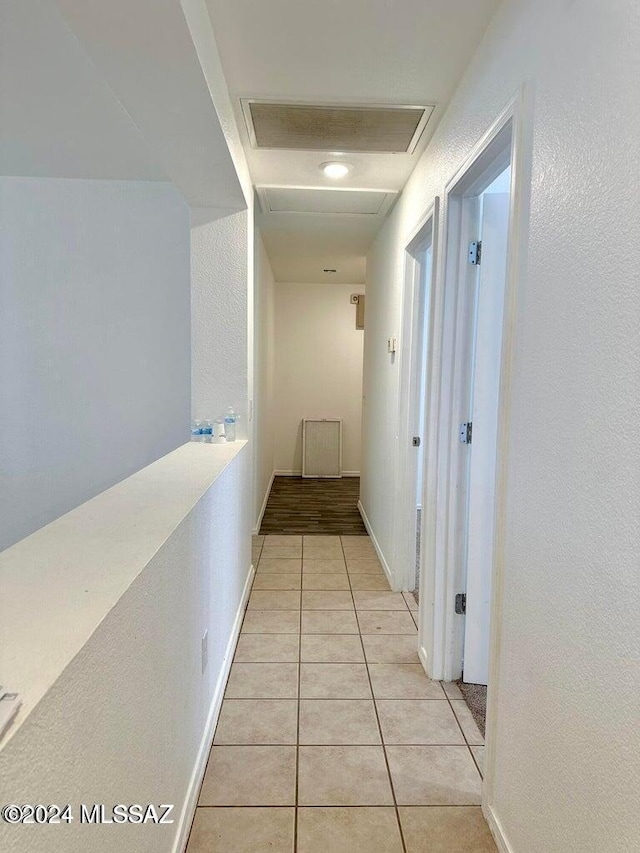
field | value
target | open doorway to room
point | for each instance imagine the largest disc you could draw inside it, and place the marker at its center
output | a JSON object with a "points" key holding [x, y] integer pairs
{"points": [[458, 561], [416, 343], [487, 254]]}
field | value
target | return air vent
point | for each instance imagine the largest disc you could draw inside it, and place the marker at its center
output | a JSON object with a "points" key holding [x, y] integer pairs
{"points": [[322, 448], [325, 200], [325, 127]]}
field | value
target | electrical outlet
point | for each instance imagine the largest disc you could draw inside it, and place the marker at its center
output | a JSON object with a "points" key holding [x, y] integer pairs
{"points": [[205, 650]]}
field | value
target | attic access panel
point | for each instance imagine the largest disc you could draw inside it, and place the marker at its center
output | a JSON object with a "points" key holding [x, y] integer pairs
{"points": [[318, 127], [325, 200]]}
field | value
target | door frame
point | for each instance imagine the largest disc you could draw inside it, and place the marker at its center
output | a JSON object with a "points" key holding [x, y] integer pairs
{"points": [[440, 630], [408, 403]]}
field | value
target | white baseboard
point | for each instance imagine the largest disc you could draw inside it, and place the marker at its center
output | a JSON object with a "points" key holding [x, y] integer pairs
{"points": [[291, 473], [256, 529], [191, 800], [423, 659], [376, 545], [496, 830]]}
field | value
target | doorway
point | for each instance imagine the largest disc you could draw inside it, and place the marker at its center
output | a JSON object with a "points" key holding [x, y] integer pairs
{"points": [[467, 408], [478, 208], [488, 225], [415, 370]]}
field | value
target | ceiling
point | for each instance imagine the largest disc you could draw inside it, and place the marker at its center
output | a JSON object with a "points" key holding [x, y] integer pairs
{"points": [[340, 52], [59, 117], [85, 92]]}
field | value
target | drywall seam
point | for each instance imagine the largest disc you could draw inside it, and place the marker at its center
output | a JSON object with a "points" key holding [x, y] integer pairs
{"points": [[195, 783], [376, 545]]}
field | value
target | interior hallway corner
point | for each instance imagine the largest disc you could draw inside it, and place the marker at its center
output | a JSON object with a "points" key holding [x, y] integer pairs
{"points": [[330, 735]]}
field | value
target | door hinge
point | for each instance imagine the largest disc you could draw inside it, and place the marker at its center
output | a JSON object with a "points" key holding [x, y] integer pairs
{"points": [[461, 603], [475, 252], [416, 441], [466, 432]]}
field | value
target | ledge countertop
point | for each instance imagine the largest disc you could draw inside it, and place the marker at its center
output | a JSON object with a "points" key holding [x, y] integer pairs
{"points": [[58, 584]]}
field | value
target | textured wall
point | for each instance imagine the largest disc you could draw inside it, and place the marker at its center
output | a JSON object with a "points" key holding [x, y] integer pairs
{"points": [[264, 365], [94, 331], [318, 368], [219, 308], [124, 722], [567, 772]]}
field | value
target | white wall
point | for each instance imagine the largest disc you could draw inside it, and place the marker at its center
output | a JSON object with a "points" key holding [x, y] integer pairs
{"points": [[264, 379], [318, 368], [219, 301], [566, 776], [94, 331], [130, 718]]}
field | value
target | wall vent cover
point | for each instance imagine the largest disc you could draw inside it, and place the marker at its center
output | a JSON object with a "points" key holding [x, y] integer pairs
{"points": [[334, 127], [322, 448]]}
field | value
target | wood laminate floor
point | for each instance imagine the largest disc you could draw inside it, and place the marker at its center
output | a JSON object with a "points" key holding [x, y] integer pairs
{"points": [[298, 505]]}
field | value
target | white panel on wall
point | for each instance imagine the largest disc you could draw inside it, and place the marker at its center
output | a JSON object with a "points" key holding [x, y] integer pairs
{"points": [[321, 448]]}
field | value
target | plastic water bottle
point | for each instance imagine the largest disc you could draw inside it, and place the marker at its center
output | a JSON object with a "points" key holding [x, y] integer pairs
{"points": [[207, 431], [196, 431], [218, 431], [230, 420]]}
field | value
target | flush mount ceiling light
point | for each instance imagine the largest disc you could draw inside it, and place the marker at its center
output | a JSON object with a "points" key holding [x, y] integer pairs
{"points": [[333, 169]]}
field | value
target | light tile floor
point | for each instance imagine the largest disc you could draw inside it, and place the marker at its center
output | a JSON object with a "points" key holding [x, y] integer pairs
{"points": [[330, 735]]}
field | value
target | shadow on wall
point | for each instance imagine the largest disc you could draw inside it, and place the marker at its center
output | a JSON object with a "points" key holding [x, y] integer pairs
{"points": [[297, 450], [207, 215]]}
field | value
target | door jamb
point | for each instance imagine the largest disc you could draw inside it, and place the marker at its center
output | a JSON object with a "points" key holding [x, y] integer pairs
{"points": [[407, 415], [437, 646]]}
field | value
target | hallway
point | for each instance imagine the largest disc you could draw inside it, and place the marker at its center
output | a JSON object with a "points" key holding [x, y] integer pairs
{"points": [[330, 734], [298, 505]]}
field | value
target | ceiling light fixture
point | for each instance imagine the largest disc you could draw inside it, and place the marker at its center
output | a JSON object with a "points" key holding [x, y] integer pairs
{"points": [[335, 169]]}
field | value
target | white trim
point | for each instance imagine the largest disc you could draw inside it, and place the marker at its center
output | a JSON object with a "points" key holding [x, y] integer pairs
{"points": [[256, 529], [197, 775], [404, 534], [521, 163], [376, 545], [497, 831], [437, 618], [422, 654]]}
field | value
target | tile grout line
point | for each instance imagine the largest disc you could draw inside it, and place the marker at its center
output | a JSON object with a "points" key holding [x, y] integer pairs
{"points": [[297, 797], [464, 737], [375, 710]]}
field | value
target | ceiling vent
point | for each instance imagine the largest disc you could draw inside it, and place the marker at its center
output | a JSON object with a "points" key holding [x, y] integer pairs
{"points": [[325, 200], [332, 127]]}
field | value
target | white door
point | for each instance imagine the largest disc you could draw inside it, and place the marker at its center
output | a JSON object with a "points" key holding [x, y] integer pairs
{"points": [[484, 407]]}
